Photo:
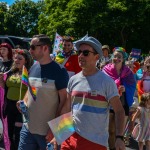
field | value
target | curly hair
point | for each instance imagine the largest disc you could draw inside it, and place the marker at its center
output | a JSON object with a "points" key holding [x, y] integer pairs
{"points": [[144, 98], [26, 55]]}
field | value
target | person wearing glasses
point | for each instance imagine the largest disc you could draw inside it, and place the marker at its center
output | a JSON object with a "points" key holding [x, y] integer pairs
{"points": [[68, 57], [45, 96], [90, 93]]}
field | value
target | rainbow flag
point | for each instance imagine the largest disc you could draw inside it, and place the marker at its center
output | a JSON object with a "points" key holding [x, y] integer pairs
{"points": [[24, 78], [62, 127], [26, 82], [33, 92]]}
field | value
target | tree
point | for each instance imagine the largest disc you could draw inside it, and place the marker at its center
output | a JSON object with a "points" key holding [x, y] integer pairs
{"points": [[22, 18], [113, 22], [3, 10]]}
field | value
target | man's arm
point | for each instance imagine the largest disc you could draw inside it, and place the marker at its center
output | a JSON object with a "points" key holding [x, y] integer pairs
{"points": [[64, 107], [119, 114], [67, 105], [119, 121], [63, 98]]}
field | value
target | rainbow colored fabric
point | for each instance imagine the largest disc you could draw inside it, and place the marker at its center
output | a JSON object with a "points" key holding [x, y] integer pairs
{"points": [[33, 92], [119, 49], [24, 76], [62, 56], [62, 127], [125, 78], [140, 89], [122, 50], [25, 81]]}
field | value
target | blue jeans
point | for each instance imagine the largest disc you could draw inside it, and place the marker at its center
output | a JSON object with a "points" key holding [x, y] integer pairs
{"points": [[29, 141]]}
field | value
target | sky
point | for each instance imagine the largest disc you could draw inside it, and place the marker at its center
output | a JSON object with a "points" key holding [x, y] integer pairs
{"points": [[9, 2]]}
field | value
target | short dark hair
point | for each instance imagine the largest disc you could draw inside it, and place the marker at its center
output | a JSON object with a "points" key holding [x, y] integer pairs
{"points": [[67, 39], [44, 39]]}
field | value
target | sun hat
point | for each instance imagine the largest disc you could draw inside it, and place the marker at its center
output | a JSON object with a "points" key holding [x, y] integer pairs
{"points": [[92, 42], [106, 47]]}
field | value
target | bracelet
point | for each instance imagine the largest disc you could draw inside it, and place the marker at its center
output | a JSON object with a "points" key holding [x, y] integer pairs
{"points": [[119, 137]]}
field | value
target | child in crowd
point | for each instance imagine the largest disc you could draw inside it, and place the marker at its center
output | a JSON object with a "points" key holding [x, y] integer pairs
{"points": [[127, 132], [143, 112]]}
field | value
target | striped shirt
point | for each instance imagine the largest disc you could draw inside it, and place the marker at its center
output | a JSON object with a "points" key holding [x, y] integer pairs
{"points": [[90, 105]]}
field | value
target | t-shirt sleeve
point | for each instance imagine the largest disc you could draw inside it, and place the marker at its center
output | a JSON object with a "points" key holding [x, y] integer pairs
{"points": [[112, 90], [62, 79]]}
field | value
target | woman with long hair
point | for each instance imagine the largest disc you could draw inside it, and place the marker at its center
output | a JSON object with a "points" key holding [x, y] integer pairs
{"points": [[126, 84], [14, 92]]}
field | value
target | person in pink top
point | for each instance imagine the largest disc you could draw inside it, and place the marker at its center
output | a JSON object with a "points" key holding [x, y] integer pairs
{"points": [[143, 113]]}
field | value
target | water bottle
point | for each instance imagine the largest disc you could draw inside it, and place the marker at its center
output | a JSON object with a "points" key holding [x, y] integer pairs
{"points": [[50, 146], [24, 110]]}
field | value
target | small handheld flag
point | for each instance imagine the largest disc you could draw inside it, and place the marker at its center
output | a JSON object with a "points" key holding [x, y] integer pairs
{"points": [[25, 81], [24, 76], [62, 127], [33, 92]]}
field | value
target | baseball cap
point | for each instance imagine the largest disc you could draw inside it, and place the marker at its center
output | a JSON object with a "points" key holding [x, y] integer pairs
{"points": [[92, 42]]}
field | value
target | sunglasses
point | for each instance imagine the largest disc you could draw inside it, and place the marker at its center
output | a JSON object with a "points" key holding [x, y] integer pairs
{"points": [[85, 52], [33, 47]]}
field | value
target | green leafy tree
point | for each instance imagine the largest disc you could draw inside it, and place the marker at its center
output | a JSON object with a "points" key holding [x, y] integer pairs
{"points": [[22, 18], [113, 22], [3, 10]]}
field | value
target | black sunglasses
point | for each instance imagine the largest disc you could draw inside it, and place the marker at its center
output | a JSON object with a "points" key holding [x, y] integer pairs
{"points": [[33, 47], [85, 52]]}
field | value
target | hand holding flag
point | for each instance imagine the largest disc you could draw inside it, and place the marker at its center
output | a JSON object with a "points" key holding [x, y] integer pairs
{"points": [[62, 127]]}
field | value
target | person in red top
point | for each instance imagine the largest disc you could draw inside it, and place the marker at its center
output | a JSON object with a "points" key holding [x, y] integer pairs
{"points": [[68, 57]]}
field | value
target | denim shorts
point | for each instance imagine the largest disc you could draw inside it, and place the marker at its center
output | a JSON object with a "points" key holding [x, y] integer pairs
{"points": [[29, 141]]}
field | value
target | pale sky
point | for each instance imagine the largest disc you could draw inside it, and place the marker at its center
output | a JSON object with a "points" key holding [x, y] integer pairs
{"points": [[9, 2]]}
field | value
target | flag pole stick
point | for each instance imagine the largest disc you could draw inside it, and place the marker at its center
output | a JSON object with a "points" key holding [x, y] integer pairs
{"points": [[20, 87]]}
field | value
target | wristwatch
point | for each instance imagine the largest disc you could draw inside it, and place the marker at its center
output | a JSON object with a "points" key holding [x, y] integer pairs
{"points": [[119, 137]]}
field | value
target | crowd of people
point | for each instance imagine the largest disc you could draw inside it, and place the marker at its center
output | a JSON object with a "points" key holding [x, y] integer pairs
{"points": [[98, 87]]}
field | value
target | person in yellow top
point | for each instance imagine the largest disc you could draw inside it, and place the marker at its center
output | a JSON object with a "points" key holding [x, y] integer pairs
{"points": [[13, 92]]}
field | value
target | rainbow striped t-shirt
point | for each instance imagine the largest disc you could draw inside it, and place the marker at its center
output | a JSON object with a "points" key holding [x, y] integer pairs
{"points": [[90, 105]]}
